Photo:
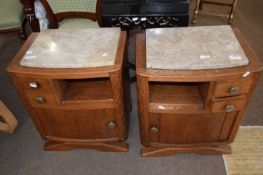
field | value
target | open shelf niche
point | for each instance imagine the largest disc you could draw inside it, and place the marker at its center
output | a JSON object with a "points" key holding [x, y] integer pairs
{"points": [[86, 90], [178, 95]]}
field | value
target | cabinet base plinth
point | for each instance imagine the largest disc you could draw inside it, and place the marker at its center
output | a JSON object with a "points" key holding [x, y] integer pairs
{"points": [[103, 147], [154, 152]]}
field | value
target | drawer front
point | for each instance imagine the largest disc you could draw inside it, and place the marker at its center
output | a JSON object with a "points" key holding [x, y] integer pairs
{"points": [[224, 89], [36, 84], [228, 105], [40, 100]]}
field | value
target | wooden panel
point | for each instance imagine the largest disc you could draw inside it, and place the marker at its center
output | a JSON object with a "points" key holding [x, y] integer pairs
{"points": [[78, 124], [102, 130], [143, 101], [228, 126], [222, 89], [206, 90], [219, 105], [190, 128], [154, 122]]}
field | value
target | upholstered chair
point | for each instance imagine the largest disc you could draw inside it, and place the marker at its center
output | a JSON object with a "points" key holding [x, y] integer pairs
{"points": [[73, 13], [10, 16]]}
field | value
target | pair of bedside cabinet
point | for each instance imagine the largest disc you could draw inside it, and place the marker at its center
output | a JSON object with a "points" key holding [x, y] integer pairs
{"points": [[193, 86]]}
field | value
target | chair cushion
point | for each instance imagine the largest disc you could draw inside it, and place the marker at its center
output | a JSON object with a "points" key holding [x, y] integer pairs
{"points": [[73, 5], [10, 14], [77, 23]]}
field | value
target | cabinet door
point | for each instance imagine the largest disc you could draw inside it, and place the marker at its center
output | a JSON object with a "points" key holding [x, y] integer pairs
{"points": [[78, 124], [187, 128]]}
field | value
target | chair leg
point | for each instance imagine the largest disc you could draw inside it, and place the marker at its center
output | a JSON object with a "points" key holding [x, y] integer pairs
{"points": [[232, 13], [8, 122], [196, 11], [201, 5]]}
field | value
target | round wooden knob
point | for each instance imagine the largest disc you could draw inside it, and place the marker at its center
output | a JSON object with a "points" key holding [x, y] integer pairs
{"points": [[230, 108], [234, 90], [111, 125], [33, 85], [40, 100], [154, 130]]}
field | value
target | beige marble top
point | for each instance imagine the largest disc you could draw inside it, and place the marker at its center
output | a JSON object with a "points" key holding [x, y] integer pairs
{"points": [[207, 47], [73, 48]]}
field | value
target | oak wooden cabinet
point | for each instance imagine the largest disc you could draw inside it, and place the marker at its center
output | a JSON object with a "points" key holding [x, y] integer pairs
{"points": [[196, 111], [77, 107]]}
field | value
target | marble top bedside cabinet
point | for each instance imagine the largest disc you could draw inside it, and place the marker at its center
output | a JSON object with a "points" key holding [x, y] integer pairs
{"points": [[73, 83], [193, 88]]}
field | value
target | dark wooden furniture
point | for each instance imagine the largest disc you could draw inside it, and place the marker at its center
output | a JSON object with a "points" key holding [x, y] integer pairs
{"points": [[199, 4], [77, 107], [196, 111], [126, 14], [144, 13]]}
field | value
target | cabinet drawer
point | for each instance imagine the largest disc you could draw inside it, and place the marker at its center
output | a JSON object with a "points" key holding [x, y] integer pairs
{"points": [[36, 84], [228, 104], [40, 100], [224, 89]]}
